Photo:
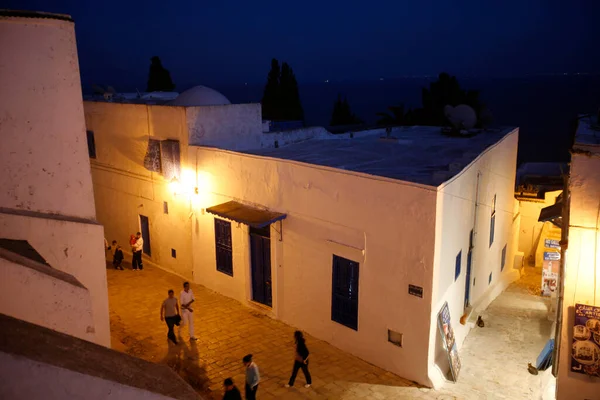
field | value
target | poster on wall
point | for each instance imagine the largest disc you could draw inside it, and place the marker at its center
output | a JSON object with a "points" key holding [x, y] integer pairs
{"points": [[585, 350], [447, 333], [550, 272]]}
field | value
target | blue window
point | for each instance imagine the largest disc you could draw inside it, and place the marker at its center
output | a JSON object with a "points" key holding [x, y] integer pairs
{"points": [[223, 246], [344, 292], [503, 261], [490, 279], [457, 266], [493, 221], [91, 142]]}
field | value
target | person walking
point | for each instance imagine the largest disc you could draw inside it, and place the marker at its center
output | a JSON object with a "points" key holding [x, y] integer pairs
{"points": [[137, 249], [252, 377], [300, 360], [169, 312], [186, 298], [117, 256], [231, 391]]}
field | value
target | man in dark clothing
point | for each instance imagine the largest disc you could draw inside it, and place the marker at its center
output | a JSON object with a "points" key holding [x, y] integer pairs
{"points": [[169, 312], [231, 391], [118, 256], [300, 360]]}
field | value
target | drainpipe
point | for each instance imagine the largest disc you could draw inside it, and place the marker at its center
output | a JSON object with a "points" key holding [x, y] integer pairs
{"points": [[474, 235], [564, 244]]}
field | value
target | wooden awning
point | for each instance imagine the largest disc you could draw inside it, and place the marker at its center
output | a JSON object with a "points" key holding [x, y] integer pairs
{"points": [[244, 214]]}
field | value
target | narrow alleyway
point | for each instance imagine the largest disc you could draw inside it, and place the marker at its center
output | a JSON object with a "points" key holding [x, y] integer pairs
{"points": [[494, 358]]}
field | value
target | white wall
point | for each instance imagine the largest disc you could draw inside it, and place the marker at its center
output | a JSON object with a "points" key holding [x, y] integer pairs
{"points": [[387, 226], [124, 189], [43, 150], [47, 301], [28, 379], [454, 220], [46, 181], [233, 126], [582, 270], [76, 248]]}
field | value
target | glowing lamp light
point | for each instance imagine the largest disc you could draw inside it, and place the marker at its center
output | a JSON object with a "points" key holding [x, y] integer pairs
{"points": [[175, 186]]}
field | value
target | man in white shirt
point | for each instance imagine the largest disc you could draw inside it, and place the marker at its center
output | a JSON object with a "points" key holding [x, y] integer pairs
{"points": [[186, 298], [137, 249]]}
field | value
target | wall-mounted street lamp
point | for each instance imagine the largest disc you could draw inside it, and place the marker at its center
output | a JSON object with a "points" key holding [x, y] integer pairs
{"points": [[175, 186]]}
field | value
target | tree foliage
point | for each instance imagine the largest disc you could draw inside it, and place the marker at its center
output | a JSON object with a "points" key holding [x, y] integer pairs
{"points": [[159, 78], [281, 97], [445, 91], [342, 114]]}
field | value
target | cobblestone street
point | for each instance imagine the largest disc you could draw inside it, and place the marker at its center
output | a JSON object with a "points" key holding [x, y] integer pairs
{"points": [[494, 358]]}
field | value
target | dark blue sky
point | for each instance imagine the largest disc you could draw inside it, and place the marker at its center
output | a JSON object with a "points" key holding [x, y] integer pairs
{"points": [[225, 41]]}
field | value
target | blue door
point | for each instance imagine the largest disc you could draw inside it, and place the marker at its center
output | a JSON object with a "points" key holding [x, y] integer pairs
{"points": [[260, 253], [145, 230]]}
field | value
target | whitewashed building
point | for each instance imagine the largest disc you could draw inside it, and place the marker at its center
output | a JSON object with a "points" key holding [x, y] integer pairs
{"points": [[356, 238], [581, 274], [47, 199], [54, 320]]}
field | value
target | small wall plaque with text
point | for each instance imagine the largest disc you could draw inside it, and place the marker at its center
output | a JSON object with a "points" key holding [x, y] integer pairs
{"points": [[415, 290]]}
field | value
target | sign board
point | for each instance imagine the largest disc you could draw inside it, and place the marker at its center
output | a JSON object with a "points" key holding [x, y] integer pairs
{"points": [[550, 272], [447, 333], [551, 243], [415, 290], [585, 349], [551, 255]]}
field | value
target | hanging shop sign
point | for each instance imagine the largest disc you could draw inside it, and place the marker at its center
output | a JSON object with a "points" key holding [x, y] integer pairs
{"points": [[585, 350], [550, 272], [447, 333]]}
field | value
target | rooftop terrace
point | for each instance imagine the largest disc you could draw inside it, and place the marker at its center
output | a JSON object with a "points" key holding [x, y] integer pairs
{"points": [[419, 154]]}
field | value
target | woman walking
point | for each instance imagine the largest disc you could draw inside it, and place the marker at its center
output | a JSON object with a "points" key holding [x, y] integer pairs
{"points": [[300, 360]]}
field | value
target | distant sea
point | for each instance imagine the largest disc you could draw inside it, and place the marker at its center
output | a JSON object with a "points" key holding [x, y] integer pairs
{"points": [[543, 107]]}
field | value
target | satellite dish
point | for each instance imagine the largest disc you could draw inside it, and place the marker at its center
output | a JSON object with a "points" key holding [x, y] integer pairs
{"points": [[462, 117]]}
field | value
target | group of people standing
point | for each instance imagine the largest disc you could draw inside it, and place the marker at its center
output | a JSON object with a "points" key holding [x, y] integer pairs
{"points": [[137, 247], [181, 314]]}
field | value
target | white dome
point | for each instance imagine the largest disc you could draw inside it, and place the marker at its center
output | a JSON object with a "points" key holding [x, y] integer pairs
{"points": [[200, 96]]}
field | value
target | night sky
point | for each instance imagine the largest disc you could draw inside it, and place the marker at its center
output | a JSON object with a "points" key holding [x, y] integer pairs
{"points": [[221, 41]]}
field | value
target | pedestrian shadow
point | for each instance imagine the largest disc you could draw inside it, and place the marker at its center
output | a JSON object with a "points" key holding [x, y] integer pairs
{"points": [[184, 359]]}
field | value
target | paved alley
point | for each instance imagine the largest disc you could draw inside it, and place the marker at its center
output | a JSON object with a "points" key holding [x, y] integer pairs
{"points": [[494, 358]]}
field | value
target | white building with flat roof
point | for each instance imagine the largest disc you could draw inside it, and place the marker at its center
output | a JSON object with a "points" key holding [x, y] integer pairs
{"points": [[357, 238]]}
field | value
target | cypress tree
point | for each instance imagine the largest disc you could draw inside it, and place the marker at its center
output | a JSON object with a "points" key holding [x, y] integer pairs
{"points": [[281, 97], [342, 114], [271, 93], [159, 78]]}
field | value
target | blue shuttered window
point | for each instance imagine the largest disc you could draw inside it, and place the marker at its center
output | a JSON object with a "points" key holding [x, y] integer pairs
{"points": [[457, 265], [223, 246], [344, 293], [503, 261]]}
